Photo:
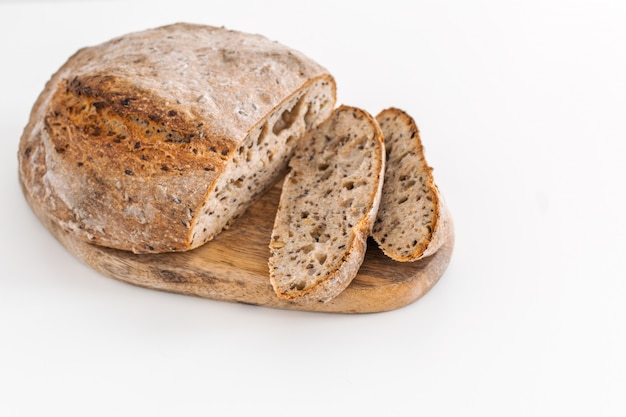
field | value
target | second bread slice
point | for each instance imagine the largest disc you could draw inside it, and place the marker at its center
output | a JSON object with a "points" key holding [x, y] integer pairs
{"points": [[327, 207], [411, 222]]}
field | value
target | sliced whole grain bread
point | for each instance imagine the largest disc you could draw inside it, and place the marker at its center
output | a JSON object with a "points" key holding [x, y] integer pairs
{"points": [[157, 140], [327, 207], [411, 219]]}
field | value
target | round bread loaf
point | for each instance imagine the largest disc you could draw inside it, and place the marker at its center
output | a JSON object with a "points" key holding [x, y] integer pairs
{"points": [[156, 141]]}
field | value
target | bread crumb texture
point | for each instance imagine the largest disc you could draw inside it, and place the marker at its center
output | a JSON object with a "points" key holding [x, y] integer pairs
{"points": [[408, 220], [157, 140], [327, 206]]}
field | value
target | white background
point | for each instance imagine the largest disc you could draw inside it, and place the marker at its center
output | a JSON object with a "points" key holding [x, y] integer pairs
{"points": [[522, 109]]}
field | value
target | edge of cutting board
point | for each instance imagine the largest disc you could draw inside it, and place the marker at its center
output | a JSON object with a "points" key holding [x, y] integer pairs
{"points": [[233, 267]]}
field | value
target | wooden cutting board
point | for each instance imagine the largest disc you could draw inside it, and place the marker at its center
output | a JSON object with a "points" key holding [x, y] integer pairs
{"points": [[233, 267]]}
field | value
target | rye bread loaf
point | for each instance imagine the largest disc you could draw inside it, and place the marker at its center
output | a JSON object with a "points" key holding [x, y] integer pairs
{"points": [[411, 220], [156, 141], [327, 207]]}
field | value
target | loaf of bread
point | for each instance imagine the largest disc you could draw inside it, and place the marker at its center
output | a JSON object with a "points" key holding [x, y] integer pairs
{"points": [[156, 141], [412, 218], [327, 208]]}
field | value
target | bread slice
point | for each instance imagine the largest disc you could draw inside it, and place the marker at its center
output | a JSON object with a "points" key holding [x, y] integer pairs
{"points": [[410, 223], [157, 140], [327, 207]]}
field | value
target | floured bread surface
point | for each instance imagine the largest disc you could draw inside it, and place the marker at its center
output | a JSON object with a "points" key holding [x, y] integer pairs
{"points": [[409, 223], [327, 207], [157, 140]]}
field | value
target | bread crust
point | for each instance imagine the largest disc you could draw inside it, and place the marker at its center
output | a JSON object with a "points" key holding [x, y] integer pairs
{"points": [[127, 139]]}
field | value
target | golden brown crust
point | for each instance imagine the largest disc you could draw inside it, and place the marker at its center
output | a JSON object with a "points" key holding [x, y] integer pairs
{"points": [[125, 141]]}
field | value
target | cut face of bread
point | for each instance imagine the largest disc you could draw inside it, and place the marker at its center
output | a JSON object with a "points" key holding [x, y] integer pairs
{"points": [[327, 207], [260, 159], [409, 222]]}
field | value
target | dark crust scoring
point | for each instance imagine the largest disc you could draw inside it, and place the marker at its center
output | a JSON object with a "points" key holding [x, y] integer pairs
{"points": [[126, 145]]}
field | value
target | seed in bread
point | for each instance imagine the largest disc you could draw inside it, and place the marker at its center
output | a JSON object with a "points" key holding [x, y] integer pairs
{"points": [[409, 224], [327, 207]]}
